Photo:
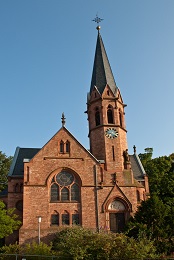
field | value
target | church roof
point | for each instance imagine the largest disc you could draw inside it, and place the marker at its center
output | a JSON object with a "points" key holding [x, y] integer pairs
{"points": [[137, 167], [102, 74], [17, 167]]}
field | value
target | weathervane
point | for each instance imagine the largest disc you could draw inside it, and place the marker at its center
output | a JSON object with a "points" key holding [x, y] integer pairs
{"points": [[97, 20]]}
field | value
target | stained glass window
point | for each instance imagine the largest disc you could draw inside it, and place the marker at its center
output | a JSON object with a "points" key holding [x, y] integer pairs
{"points": [[54, 192], [64, 194], [55, 219], [75, 192]]}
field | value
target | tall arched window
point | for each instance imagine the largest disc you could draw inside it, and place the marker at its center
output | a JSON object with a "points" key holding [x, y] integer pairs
{"points": [[97, 116], [61, 146], [75, 192], [54, 192], [65, 187], [65, 194], [110, 115], [67, 146]]}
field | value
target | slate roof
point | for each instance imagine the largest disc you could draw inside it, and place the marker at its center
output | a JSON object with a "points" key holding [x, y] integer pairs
{"points": [[102, 73], [17, 167], [137, 167]]}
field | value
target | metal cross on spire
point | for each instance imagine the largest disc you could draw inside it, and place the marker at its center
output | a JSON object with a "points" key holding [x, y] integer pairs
{"points": [[97, 20]]}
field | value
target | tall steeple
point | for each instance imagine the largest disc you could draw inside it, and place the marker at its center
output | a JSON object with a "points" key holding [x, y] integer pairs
{"points": [[106, 115], [102, 74]]}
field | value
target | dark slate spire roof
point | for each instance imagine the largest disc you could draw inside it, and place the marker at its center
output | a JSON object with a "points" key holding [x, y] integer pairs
{"points": [[102, 73]]}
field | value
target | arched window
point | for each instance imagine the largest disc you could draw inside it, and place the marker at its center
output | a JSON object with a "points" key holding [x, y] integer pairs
{"points": [[61, 146], [75, 218], [55, 219], [67, 185], [54, 192], [110, 115], [75, 192], [97, 116], [64, 194], [65, 218], [120, 118], [138, 196], [67, 146]]}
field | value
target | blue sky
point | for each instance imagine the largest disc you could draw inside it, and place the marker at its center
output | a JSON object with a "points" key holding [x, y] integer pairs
{"points": [[46, 59]]}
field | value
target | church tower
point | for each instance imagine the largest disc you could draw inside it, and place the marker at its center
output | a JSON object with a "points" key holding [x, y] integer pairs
{"points": [[106, 116]]}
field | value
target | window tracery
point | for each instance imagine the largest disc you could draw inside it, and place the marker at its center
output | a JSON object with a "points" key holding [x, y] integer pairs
{"points": [[65, 187]]}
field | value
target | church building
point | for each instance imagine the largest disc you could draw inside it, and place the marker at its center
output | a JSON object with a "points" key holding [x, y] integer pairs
{"points": [[63, 183]]}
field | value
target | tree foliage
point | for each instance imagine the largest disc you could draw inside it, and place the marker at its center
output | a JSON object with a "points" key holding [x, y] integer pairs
{"points": [[5, 163], [8, 221], [80, 243], [28, 250], [155, 216]]}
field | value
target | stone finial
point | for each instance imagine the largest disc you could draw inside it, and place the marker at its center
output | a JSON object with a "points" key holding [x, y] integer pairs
{"points": [[135, 149], [63, 119]]}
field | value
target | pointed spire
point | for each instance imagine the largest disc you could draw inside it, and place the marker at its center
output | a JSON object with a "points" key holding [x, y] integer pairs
{"points": [[102, 73]]}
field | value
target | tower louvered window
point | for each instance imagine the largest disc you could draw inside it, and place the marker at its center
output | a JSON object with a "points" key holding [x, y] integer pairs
{"points": [[97, 116], [110, 115]]}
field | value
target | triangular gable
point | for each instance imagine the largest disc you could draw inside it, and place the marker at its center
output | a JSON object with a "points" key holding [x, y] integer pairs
{"points": [[56, 136]]}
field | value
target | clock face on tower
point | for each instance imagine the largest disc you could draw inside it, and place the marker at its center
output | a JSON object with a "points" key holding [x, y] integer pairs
{"points": [[111, 133]]}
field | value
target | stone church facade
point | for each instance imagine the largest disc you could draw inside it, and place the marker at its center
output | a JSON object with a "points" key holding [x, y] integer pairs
{"points": [[63, 183]]}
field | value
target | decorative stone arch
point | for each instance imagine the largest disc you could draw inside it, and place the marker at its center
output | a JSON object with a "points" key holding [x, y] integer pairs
{"points": [[117, 213]]}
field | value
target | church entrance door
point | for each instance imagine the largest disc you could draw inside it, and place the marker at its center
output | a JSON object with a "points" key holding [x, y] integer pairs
{"points": [[117, 222]]}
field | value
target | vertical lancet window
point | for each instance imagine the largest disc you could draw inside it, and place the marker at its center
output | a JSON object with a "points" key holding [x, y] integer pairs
{"points": [[54, 192], [67, 146], [110, 115], [97, 116], [75, 192], [61, 146], [64, 194]]}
